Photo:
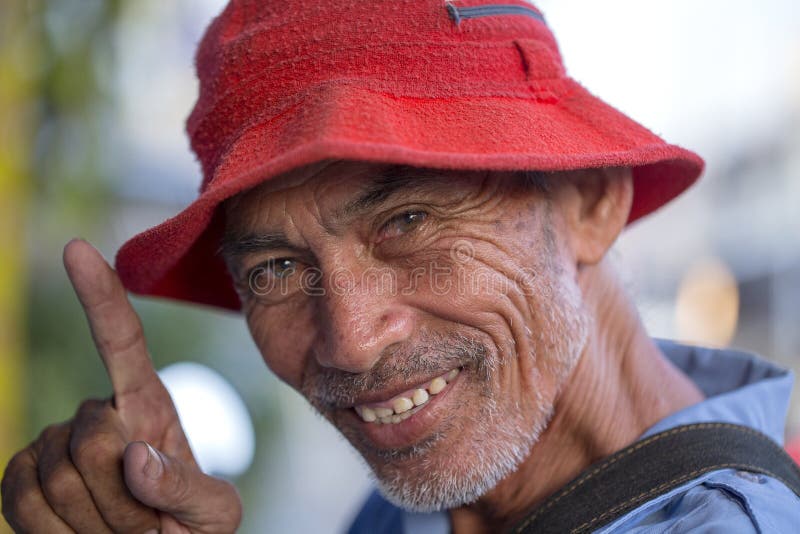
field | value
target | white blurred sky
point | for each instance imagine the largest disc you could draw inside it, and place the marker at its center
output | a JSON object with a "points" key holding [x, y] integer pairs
{"points": [[697, 72]]}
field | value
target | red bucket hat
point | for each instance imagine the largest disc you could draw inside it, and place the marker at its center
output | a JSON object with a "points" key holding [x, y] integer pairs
{"points": [[467, 84]]}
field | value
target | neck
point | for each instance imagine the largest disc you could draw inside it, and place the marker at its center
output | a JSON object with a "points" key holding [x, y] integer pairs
{"points": [[622, 385]]}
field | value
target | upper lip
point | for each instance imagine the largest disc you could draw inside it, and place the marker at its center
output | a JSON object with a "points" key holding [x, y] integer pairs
{"points": [[388, 393]]}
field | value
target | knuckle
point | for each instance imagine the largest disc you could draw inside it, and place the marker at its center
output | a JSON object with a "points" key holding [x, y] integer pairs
{"points": [[6, 489], [129, 518], [178, 488], [23, 505], [90, 449], [93, 416], [89, 408], [13, 466], [49, 433], [13, 473], [60, 484], [121, 341]]}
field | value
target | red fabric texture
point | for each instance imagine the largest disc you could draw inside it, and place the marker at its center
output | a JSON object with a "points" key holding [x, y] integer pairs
{"points": [[289, 83]]}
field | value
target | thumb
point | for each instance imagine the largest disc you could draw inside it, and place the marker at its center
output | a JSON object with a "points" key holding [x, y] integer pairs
{"points": [[198, 501]]}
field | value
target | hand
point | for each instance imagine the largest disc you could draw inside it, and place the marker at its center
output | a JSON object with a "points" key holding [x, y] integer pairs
{"points": [[120, 465]]}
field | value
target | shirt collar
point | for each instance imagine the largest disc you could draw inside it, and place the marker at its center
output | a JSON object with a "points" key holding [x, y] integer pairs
{"points": [[740, 388]]}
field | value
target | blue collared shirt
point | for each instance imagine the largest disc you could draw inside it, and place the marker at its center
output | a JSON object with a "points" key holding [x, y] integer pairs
{"points": [[740, 388]]}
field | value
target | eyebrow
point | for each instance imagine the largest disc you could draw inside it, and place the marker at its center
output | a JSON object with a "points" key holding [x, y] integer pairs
{"points": [[234, 247], [390, 182]]}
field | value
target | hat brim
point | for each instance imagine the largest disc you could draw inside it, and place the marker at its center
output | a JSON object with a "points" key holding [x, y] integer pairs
{"points": [[568, 129]]}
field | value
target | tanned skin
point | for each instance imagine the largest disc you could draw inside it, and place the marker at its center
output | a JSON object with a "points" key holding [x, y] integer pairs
{"points": [[565, 364]]}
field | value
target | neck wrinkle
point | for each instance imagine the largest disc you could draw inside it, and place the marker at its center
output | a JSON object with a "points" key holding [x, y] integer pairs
{"points": [[621, 386]]}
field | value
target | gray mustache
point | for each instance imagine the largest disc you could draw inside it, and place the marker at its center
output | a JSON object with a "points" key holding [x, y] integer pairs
{"points": [[331, 388]]}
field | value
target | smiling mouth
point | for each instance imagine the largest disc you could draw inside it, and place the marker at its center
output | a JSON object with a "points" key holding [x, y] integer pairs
{"points": [[402, 406]]}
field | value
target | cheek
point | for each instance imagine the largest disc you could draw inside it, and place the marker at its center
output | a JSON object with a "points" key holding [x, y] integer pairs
{"points": [[469, 291], [474, 284], [284, 336], [517, 301], [564, 326]]}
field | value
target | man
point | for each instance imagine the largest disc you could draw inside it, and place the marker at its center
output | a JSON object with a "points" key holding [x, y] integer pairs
{"points": [[411, 204]]}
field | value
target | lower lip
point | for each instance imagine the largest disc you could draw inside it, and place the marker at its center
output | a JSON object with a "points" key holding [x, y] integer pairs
{"points": [[411, 430]]}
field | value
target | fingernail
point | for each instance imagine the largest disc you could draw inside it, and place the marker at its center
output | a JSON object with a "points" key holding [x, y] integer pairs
{"points": [[154, 466]]}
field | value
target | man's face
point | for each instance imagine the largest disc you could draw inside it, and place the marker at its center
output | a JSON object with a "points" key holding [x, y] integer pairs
{"points": [[364, 285]]}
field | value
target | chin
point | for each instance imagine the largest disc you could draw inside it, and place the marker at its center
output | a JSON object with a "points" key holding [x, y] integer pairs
{"points": [[459, 463]]}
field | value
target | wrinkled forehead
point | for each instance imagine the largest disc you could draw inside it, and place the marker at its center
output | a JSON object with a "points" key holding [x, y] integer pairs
{"points": [[336, 190], [317, 188], [325, 174]]}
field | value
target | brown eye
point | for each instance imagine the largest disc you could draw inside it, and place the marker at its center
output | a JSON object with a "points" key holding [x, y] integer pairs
{"points": [[402, 224]]}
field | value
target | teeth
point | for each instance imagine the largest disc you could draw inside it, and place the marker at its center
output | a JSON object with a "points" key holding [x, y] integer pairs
{"points": [[437, 385], [420, 397], [404, 407], [368, 414], [383, 412], [402, 404]]}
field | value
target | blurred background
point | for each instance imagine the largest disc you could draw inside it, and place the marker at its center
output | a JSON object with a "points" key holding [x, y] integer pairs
{"points": [[93, 95]]}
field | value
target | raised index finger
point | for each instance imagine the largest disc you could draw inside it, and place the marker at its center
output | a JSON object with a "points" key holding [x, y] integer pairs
{"points": [[116, 328]]}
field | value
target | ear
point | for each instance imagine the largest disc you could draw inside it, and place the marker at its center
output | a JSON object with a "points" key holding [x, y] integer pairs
{"points": [[595, 204]]}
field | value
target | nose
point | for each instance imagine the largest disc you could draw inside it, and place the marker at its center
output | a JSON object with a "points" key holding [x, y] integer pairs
{"points": [[359, 315]]}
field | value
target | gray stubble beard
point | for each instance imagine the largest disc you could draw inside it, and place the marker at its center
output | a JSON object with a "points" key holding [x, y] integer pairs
{"points": [[501, 441]]}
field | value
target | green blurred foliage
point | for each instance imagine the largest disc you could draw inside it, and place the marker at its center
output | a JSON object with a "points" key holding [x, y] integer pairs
{"points": [[72, 186], [69, 194], [73, 194]]}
